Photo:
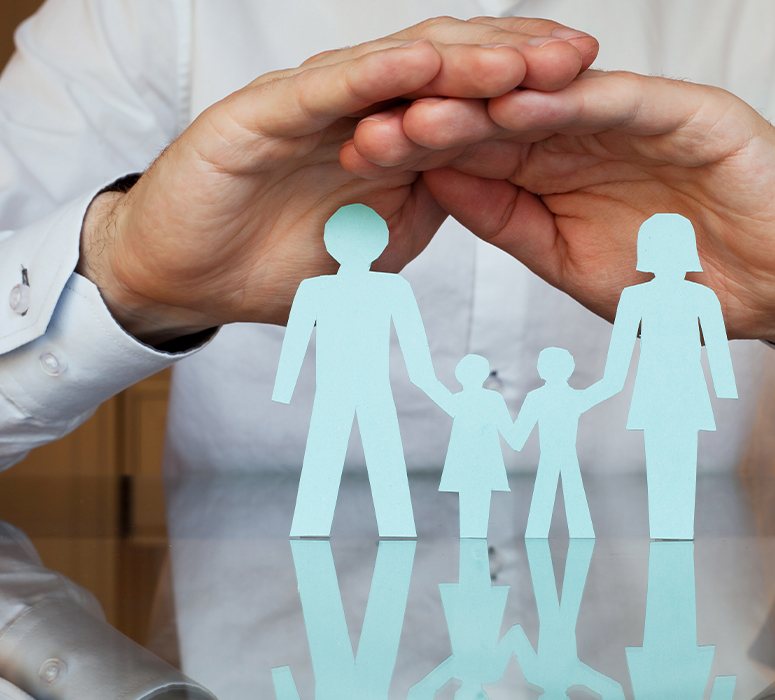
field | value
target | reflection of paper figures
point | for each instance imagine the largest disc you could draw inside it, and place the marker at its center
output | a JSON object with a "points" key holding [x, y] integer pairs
{"points": [[554, 667], [474, 611], [556, 408], [340, 674], [670, 664], [474, 466], [670, 401], [352, 312]]}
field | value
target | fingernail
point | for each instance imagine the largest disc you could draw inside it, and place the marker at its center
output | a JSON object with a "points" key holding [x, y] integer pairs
{"points": [[565, 33], [543, 40], [430, 100], [375, 118]]}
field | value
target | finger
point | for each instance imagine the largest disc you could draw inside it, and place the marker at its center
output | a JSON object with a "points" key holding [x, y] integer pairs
{"points": [[632, 105], [551, 54], [310, 100], [583, 42], [438, 124], [500, 213]]}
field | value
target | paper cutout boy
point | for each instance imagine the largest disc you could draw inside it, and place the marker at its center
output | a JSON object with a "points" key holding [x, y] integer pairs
{"points": [[670, 400], [352, 312], [474, 466], [556, 408]]}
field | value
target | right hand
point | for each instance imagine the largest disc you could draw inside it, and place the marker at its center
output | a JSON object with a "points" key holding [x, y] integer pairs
{"points": [[228, 220]]}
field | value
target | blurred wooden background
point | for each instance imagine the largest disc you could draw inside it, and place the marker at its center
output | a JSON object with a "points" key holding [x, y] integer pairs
{"points": [[92, 503]]}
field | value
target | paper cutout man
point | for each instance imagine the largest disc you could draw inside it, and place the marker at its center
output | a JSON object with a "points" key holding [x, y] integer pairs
{"points": [[670, 401], [340, 674], [474, 465], [352, 312], [556, 408], [474, 611], [554, 666], [670, 664]]}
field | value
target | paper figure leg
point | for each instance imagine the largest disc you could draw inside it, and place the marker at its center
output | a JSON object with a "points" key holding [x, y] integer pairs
{"points": [[542, 504], [321, 473], [576, 506], [475, 513], [384, 453], [671, 471]]}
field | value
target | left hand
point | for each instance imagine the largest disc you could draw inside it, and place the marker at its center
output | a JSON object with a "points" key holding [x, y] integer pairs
{"points": [[566, 178]]}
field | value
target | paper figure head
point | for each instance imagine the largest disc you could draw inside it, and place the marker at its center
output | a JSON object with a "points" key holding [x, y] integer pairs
{"points": [[471, 691], [472, 371], [555, 365], [355, 235], [667, 243]]}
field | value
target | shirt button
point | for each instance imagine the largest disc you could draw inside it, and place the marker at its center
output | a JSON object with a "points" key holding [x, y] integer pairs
{"points": [[52, 670], [19, 299], [493, 381], [51, 364]]}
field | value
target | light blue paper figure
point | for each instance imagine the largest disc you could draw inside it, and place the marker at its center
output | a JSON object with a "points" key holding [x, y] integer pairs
{"points": [[670, 401], [474, 466], [554, 666], [474, 611], [352, 313], [556, 408], [670, 664], [339, 673]]}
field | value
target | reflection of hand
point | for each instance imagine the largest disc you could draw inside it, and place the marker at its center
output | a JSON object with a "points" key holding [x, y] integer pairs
{"points": [[227, 221], [569, 176]]}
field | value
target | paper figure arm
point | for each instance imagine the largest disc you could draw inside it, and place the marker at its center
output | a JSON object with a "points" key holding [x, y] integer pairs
{"points": [[594, 394], [717, 346], [526, 421], [414, 345], [284, 685], [505, 423], [427, 688], [297, 336], [623, 336]]}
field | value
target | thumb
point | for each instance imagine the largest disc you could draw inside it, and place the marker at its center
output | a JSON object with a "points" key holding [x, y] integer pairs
{"points": [[509, 217]]}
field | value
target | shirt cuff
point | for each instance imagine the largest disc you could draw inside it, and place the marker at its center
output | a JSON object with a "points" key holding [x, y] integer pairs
{"points": [[83, 358], [57, 650]]}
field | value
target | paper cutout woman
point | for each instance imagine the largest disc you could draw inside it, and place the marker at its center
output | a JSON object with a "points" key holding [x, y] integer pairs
{"points": [[670, 663], [474, 611], [554, 666], [670, 401], [341, 674], [474, 466], [556, 408], [352, 313]]}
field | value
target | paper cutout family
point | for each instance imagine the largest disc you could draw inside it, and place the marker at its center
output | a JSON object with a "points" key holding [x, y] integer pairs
{"points": [[669, 664], [352, 312]]}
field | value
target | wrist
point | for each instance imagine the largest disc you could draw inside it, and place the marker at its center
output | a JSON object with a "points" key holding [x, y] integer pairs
{"points": [[149, 321]]}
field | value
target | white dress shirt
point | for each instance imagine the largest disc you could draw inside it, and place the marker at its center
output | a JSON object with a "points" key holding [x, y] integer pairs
{"points": [[99, 87]]}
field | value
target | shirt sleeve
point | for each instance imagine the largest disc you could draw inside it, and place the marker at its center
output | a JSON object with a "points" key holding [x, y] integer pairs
{"points": [[94, 91], [55, 643]]}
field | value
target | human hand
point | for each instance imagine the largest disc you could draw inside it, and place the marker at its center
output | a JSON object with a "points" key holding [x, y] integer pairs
{"points": [[229, 219], [566, 178]]}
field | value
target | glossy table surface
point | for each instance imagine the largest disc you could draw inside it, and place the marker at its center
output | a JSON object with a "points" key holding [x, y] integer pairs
{"points": [[256, 615]]}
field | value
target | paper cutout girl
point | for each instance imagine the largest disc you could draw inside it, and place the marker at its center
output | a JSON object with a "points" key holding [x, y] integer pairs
{"points": [[670, 401], [474, 611], [474, 466], [556, 408]]}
